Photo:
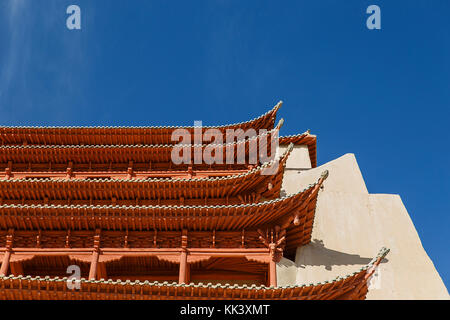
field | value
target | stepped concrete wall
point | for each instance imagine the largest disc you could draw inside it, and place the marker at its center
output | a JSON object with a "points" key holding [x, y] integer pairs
{"points": [[350, 227]]}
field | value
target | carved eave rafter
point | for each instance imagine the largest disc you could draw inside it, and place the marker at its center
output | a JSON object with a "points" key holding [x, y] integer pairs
{"points": [[353, 286], [117, 135], [296, 207], [143, 156], [275, 240], [253, 182]]}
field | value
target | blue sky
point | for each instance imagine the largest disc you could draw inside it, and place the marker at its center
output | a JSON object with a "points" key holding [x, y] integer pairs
{"points": [[381, 94]]}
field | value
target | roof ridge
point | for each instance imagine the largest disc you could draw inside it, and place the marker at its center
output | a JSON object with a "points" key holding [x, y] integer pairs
{"points": [[306, 133], [110, 146], [383, 252], [282, 158], [273, 110], [323, 176]]}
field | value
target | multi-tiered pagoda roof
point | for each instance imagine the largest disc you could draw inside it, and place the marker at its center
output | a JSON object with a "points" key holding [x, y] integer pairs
{"points": [[110, 201]]}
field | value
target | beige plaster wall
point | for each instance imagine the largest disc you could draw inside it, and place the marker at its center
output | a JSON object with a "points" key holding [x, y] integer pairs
{"points": [[350, 227], [298, 158]]}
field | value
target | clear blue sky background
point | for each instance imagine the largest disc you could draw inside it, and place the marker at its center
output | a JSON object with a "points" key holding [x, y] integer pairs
{"points": [[383, 95]]}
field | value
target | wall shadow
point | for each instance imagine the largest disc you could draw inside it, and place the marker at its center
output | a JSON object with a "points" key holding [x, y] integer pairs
{"points": [[328, 258]]}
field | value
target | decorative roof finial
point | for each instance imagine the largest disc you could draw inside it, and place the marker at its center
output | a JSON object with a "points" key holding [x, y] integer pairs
{"points": [[290, 147], [279, 104], [280, 124]]}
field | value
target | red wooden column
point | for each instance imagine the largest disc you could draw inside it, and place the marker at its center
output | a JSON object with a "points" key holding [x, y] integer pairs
{"points": [[183, 267], [272, 273], [95, 255], [272, 266], [5, 263], [182, 278]]}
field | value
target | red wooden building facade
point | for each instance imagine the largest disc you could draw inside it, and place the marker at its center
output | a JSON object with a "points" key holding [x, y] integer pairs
{"points": [[110, 201]]}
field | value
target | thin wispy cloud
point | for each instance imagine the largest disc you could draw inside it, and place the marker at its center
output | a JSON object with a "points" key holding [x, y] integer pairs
{"points": [[42, 63], [13, 47]]}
